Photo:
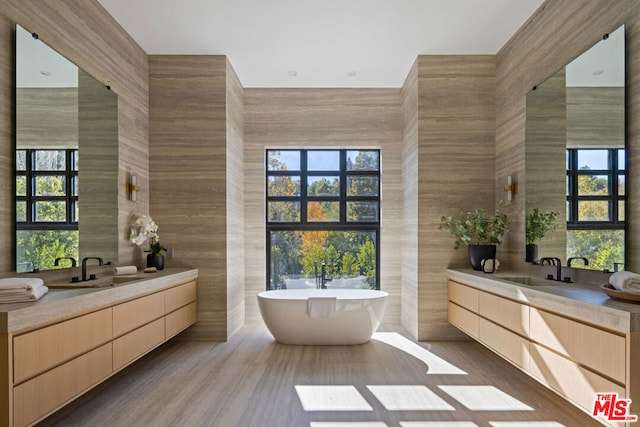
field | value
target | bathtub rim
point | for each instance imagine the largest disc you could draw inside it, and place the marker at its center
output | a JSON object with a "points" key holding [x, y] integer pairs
{"points": [[303, 294]]}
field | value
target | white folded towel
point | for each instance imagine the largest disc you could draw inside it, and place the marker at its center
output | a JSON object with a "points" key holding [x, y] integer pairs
{"points": [[625, 281], [127, 269], [20, 283], [35, 294], [321, 307]]}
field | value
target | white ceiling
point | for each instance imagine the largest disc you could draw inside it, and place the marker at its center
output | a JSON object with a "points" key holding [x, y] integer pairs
{"points": [[323, 41], [37, 65], [600, 66]]}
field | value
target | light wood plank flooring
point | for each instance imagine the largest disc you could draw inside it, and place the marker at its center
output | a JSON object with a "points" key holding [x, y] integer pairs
{"points": [[250, 381]]}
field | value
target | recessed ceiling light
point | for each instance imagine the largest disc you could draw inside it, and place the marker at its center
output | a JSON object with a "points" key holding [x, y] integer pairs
{"points": [[351, 73], [598, 72], [293, 73], [45, 73]]}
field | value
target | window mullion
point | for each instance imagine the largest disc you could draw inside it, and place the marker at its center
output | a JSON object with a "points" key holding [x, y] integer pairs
{"points": [[68, 185], [613, 153], [30, 157], [343, 186], [303, 186]]}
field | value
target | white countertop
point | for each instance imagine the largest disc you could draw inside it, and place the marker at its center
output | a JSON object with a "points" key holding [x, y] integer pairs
{"points": [[62, 303], [581, 301]]}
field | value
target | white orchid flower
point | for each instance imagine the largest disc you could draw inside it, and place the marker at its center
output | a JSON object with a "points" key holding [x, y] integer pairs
{"points": [[144, 228]]}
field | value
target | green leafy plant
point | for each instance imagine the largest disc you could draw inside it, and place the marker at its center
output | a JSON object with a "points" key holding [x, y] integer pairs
{"points": [[476, 227], [539, 223]]}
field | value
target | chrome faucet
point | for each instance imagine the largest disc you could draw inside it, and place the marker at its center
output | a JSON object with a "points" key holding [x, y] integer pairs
{"points": [[573, 258], [84, 267], [57, 261], [558, 264]]}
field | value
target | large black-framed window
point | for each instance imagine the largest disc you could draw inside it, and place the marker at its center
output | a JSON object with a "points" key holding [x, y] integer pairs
{"points": [[46, 207], [46, 189], [323, 206], [596, 180]]}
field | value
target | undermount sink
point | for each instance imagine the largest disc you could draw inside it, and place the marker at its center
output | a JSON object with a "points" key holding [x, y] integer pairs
{"points": [[117, 280], [103, 282], [527, 280]]}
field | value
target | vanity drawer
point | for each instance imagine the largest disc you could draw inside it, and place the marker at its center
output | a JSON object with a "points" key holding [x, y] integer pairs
{"points": [[136, 343], [504, 342], [42, 349], [601, 350], [179, 296], [180, 319], [510, 314], [39, 396], [569, 379], [463, 296], [463, 319], [135, 313]]}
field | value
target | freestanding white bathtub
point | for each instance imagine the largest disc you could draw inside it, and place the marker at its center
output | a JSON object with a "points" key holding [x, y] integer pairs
{"points": [[322, 316]]}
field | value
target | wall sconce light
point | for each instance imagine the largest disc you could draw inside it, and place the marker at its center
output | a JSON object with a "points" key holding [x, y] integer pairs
{"points": [[511, 188], [133, 188]]}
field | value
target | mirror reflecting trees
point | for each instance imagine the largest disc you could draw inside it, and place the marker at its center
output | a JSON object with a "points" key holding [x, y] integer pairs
{"points": [[66, 160], [575, 156]]}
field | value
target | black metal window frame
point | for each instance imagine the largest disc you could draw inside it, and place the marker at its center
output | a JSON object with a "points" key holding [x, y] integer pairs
{"points": [[613, 198], [304, 224], [31, 199]]}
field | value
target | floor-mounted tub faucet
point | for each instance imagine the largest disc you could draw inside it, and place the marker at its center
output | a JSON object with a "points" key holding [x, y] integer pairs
{"points": [[324, 279]]}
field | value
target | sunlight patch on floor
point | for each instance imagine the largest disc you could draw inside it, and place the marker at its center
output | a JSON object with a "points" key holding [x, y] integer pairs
{"points": [[348, 424], [437, 424], [331, 398], [525, 424], [435, 364], [484, 398], [408, 398]]}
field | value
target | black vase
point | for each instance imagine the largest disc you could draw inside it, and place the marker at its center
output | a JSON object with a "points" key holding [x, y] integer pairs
{"points": [[531, 252], [155, 260], [479, 252]]}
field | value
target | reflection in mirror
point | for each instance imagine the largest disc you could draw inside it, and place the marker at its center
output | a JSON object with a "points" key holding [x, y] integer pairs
{"points": [[66, 161], [575, 160]]}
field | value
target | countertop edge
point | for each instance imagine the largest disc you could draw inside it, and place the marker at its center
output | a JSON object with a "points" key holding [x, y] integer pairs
{"points": [[60, 304], [597, 309]]}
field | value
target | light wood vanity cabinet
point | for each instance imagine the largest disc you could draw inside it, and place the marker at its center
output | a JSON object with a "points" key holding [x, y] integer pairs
{"points": [[50, 365], [131, 346], [464, 319], [572, 357], [601, 350], [179, 319], [180, 307], [135, 313], [45, 348], [463, 306], [54, 388]]}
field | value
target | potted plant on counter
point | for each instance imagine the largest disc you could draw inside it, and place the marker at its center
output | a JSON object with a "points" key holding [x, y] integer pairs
{"points": [[146, 228], [478, 230], [537, 224]]}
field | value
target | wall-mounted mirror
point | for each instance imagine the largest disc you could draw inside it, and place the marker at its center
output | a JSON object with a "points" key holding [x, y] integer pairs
{"points": [[575, 162], [66, 170]]}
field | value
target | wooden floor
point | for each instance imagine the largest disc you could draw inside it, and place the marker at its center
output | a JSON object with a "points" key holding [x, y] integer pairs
{"points": [[250, 381]]}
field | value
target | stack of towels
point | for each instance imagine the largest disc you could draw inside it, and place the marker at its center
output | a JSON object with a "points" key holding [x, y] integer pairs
{"points": [[625, 281], [18, 289]]}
